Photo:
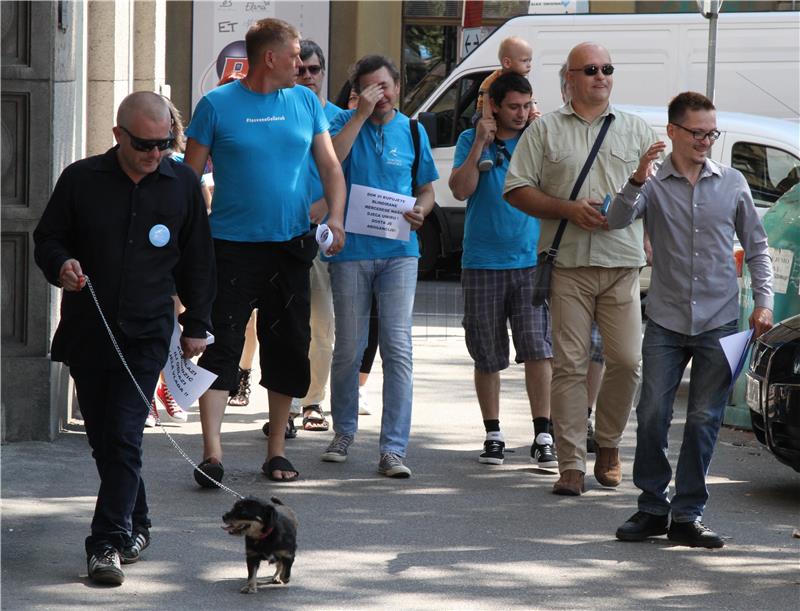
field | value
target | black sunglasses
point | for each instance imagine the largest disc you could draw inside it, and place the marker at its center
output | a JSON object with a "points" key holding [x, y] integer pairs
{"points": [[699, 134], [145, 146], [593, 69], [313, 70]]}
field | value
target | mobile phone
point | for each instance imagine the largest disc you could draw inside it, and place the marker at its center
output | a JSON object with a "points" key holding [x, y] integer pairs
{"points": [[606, 204]]}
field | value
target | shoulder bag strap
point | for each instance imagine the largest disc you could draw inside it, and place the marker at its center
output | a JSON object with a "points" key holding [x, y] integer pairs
{"points": [[415, 165], [551, 254]]}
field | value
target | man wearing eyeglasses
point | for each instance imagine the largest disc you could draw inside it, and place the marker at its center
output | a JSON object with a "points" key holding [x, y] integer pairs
{"points": [[134, 222], [596, 274], [497, 269], [262, 133], [691, 207]]}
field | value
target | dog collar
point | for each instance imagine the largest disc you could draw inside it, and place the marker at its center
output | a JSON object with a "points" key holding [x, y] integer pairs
{"points": [[266, 534]]}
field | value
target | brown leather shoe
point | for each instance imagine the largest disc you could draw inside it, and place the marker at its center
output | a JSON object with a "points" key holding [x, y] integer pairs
{"points": [[570, 483], [607, 467]]}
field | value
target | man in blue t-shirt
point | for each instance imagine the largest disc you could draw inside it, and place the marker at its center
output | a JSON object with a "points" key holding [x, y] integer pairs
{"points": [[497, 271], [320, 353], [375, 144], [262, 133]]}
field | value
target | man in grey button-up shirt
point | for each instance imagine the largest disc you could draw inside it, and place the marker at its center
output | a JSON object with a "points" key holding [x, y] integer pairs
{"points": [[691, 208]]}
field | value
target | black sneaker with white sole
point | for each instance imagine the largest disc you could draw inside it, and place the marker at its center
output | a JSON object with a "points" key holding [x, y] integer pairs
{"points": [[104, 566], [542, 452], [135, 546], [493, 452]]}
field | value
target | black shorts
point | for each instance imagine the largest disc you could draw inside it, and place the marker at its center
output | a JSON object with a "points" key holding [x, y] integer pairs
{"points": [[273, 277]]}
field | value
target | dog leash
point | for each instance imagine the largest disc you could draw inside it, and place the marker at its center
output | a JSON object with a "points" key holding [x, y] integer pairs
{"points": [[145, 399]]}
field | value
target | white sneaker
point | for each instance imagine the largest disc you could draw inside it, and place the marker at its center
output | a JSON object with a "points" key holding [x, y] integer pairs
{"points": [[152, 416], [363, 404]]}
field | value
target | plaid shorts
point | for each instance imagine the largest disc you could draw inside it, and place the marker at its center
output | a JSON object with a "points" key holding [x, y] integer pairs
{"points": [[492, 298], [596, 347]]}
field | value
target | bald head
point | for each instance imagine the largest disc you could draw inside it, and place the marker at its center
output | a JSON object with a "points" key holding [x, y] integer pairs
{"points": [[513, 46], [577, 57], [589, 88], [145, 103]]}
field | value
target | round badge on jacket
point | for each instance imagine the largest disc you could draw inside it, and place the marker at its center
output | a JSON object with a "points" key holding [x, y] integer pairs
{"points": [[159, 235]]}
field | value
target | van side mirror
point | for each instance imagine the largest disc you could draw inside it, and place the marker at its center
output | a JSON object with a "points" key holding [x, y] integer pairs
{"points": [[428, 120]]}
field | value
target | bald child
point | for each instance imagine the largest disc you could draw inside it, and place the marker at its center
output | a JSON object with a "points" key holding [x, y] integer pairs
{"points": [[515, 55]]}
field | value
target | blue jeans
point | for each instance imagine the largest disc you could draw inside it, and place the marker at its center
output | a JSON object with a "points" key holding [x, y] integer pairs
{"points": [[353, 283], [665, 355]]}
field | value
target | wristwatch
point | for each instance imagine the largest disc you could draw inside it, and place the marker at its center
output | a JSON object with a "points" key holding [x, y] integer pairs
{"points": [[635, 183]]}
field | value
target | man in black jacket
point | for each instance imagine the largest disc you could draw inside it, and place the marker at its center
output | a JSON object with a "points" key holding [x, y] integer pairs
{"points": [[134, 223]]}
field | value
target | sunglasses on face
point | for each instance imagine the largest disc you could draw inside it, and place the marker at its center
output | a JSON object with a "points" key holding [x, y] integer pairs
{"points": [[593, 69], [312, 70], [145, 146], [699, 134]]}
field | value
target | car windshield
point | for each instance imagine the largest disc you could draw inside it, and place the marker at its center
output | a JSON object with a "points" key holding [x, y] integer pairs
{"points": [[424, 88]]}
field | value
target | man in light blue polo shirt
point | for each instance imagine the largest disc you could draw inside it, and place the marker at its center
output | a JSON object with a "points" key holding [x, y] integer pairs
{"points": [[497, 271], [263, 133], [374, 143]]}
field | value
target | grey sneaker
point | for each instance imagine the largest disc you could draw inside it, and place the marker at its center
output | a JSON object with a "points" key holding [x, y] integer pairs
{"points": [[337, 450], [104, 566], [135, 546], [391, 465]]}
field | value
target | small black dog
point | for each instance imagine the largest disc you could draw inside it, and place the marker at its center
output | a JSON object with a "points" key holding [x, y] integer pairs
{"points": [[270, 533]]}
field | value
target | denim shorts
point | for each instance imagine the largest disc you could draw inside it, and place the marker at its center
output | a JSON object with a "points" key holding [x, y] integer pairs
{"points": [[273, 277], [492, 299]]}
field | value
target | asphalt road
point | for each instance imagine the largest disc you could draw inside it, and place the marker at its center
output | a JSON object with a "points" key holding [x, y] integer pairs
{"points": [[457, 535]]}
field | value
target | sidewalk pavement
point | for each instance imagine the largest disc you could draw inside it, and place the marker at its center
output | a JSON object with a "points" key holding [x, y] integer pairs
{"points": [[457, 535]]}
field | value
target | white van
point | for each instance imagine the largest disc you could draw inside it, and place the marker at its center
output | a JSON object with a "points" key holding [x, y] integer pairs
{"points": [[656, 56]]}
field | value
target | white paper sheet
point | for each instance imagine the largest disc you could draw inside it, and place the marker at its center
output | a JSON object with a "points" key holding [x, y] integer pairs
{"points": [[378, 213], [185, 379], [735, 349]]}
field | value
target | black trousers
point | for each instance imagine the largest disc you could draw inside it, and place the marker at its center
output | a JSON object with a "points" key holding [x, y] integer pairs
{"points": [[273, 277], [114, 414]]}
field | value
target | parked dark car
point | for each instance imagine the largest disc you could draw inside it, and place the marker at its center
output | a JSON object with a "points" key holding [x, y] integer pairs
{"points": [[773, 390]]}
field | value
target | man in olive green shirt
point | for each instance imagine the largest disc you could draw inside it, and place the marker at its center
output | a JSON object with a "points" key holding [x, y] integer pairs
{"points": [[596, 275]]}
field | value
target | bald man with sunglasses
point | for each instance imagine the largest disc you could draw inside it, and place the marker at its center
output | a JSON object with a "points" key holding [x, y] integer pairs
{"points": [[596, 273], [134, 222]]}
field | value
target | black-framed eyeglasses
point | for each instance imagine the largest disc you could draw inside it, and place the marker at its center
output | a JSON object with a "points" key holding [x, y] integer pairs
{"points": [[312, 70], [699, 134], [145, 146], [592, 69]]}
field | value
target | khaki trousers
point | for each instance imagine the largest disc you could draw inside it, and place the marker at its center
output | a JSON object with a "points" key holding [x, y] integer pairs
{"points": [[320, 352], [611, 297]]}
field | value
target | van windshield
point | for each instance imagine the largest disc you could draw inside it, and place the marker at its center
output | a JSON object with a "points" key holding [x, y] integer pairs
{"points": [[423, 89]]}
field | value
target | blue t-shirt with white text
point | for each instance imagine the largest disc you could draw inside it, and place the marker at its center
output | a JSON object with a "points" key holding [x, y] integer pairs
{"points": [[382, 157], [496, 235], [260, 145]]}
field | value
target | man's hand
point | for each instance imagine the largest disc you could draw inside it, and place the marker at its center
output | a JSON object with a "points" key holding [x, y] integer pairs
{"points": [[71, 276], [337, 231], [415, 217], [367, 100], [585, 213], [485, 131], [192, 346], [760, 321], [318, 211], [645, 168]]}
